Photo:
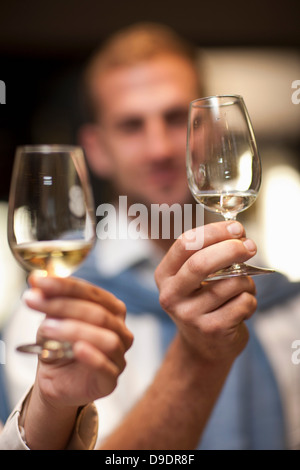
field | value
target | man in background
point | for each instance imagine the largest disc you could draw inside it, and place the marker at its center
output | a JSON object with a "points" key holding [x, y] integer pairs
{"points": [[139, 87]]}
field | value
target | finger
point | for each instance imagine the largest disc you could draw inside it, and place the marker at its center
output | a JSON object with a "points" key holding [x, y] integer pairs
{"points": [[72, 331], [106, 373], [213, 296], [89, 312], [230, 315], [213, 258], [86, 353], [79, 289], [83, 311], [209, 234]]}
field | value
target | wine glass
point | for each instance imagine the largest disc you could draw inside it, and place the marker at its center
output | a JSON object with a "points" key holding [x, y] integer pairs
{"points": [[223, 163], [51, 226]]}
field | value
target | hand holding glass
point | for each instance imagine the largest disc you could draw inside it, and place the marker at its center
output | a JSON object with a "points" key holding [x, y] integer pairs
{"points": [[51, 227], [223, 163]]}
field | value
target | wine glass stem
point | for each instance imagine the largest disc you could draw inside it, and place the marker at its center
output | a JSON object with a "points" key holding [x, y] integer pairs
{"points": [[229, 217], [232, 217]]}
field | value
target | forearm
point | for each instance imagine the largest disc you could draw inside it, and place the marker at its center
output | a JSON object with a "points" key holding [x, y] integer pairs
{"points": [[47, 427], [174, 411]]}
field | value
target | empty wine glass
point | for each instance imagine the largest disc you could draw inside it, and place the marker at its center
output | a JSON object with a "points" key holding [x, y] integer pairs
{"points": [[223, 163], [51, 226]]}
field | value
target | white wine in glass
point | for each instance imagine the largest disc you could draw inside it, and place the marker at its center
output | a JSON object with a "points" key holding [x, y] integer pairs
{"points": [[223, 163], [51, 217]]}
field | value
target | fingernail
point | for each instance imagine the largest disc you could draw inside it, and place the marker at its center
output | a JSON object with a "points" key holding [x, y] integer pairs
{"points": [[33, 296], [51, 326], [235, 228], [250, 245]]}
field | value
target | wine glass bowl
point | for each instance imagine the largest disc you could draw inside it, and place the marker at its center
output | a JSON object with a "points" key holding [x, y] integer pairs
{"points": [[223, 163], [51, 226]]}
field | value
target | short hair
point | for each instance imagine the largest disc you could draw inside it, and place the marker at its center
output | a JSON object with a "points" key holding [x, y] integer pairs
{"points": [[135, 44]]}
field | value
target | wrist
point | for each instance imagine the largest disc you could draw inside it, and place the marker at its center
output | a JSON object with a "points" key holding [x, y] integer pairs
{"points": [[211, 349], [200, 359], [47, 424], [45, 399]]}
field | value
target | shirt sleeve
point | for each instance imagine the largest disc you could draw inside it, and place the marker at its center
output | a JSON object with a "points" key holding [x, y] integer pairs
{"points": [[83, 437]]}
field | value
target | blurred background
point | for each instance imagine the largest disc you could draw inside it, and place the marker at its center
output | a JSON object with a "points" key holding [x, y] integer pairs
{"points": [[252, 49]]}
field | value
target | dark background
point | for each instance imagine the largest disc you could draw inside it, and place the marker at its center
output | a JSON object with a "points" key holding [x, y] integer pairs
{"points": [[44, 45]]}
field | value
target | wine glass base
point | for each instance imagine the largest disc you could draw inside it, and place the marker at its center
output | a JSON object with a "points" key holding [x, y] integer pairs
{"points": [[49, 351], [238, 270]]}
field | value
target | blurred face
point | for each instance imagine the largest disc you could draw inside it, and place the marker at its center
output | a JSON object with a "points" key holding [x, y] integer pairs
{"points": [[142, 128]]}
